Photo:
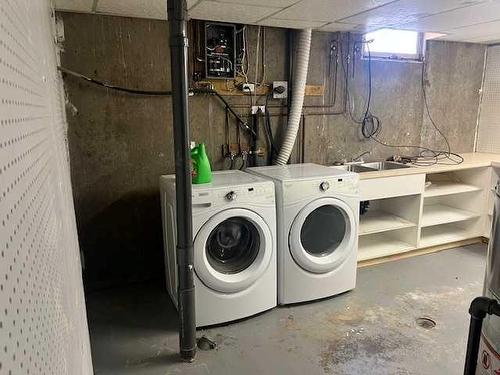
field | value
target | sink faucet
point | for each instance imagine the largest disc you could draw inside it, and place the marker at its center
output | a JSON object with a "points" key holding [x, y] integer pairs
{"points": [[359, 158], [355, 160]]}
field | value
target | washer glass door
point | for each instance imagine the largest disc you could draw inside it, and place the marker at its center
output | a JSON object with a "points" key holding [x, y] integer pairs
{"points": [[323, 235], [233, 245], [232, 250]]}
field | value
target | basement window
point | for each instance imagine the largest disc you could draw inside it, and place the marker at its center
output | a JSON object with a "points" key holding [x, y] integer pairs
{"points": [[392, 44]]}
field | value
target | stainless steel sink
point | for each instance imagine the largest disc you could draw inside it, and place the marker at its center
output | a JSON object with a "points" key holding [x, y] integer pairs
{"points": [[384, 165], [358, 168], [372, 166]]}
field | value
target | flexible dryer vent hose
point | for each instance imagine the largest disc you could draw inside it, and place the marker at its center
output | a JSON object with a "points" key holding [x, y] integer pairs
{"points": [[298, 92]]}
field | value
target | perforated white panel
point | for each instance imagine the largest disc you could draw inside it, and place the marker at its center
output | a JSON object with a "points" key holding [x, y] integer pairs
{"points": [[43, 327], [488, 137]]}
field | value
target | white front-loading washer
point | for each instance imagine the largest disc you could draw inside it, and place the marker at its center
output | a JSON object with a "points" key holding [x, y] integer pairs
{"points": [[317, 223], [234, 226]]}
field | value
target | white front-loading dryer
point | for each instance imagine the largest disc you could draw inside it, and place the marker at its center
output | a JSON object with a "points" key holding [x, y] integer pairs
{"points": [[317, 224], [234, 226]]}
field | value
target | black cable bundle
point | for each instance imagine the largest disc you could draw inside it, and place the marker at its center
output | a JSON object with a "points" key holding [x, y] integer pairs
{"points": [[371, 127], [273, 150]]}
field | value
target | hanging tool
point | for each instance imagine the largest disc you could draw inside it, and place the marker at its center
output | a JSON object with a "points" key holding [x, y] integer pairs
{"points": [[240, 158], [228, 153], [273, 151], [254, 138]]}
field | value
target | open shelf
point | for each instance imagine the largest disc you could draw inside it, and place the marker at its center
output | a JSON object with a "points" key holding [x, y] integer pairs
{"points": [[437, 214], [381, 221], [380, 245], [441, 234], [439, 188]]}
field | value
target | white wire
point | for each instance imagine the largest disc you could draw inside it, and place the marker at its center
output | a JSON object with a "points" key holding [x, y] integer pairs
{"points": [[263, 57], [244, 59], [256, 65]]}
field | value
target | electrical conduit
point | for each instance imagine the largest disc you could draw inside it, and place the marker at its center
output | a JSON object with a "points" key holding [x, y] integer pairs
{"points": [[298, 93]]}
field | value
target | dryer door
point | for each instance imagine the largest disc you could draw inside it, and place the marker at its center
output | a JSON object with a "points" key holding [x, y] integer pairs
{"points": [[232, 250], [323, 235]]}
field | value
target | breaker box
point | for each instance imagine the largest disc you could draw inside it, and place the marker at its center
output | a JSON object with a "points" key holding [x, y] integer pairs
{"points": [[220, 51]]}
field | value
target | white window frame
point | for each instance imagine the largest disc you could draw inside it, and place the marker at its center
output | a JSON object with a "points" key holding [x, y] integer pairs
{"points": [[388, 56]]}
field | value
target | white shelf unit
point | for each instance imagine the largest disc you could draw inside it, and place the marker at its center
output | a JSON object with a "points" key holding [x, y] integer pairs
{"points": [[418, 211], [439, 188], [446, 233], [382, 221], [390, 226], [381, 245], [454, 206], [436, 214]]}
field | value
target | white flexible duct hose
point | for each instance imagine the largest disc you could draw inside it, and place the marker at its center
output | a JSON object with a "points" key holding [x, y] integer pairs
{"points": [[298, 92]]}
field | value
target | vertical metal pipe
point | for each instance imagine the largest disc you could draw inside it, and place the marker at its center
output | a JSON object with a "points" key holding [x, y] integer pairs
{"points": [[479, 309], [177, 19], [473, 345]]}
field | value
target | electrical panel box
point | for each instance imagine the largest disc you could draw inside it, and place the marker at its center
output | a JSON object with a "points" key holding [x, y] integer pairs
{"points": [[220, 51], [280, 89]]}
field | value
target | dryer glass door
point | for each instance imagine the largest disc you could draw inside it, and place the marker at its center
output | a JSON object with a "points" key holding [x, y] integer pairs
{"points": [[232, 250], [318, 235], [323, 235]]}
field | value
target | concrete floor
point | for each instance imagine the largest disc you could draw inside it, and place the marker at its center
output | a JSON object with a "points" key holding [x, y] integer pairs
{"points": [[370, 330]]}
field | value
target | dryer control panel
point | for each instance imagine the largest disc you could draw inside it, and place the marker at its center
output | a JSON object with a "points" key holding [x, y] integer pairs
{"points": [[348, 185]]}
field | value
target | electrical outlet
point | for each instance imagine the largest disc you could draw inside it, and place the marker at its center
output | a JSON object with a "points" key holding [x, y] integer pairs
{"points": [[59, 29], [248, 87], [280, 89], [257, 108]]}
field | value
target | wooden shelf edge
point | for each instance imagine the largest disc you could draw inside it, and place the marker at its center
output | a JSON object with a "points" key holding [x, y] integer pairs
{"points": [[229, 88], [420, 251]]}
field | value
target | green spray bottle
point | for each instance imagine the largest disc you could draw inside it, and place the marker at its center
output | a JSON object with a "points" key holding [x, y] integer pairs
{"points": [[201, 173]]}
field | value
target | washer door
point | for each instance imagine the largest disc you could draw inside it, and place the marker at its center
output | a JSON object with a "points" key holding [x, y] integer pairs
{"points": [[232, 250], [322, 235]]}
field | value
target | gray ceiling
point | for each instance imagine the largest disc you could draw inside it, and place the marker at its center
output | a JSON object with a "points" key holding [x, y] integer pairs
{"points": [[461, 20]]}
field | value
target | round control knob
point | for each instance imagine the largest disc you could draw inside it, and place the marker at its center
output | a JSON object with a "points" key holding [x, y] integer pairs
{"points": [[324, 186], [231, 196]]}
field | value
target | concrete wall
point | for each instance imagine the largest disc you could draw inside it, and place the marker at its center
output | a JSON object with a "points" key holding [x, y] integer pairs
{"points": [[120, 144], [453, 83], [488, 134]]}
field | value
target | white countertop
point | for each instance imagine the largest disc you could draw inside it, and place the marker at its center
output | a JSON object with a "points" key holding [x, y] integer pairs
{"points": [[471, 160]]}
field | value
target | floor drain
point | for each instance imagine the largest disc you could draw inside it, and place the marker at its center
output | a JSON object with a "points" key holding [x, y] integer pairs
{"points": [[204, 343], [426, 323]]}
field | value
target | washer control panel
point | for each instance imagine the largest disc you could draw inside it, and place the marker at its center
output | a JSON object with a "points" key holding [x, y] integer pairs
{"points": [[263, 192]]}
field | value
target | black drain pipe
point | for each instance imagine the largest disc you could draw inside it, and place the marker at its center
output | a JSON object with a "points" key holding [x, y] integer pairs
{"points": [[479, 308], [177, 19]]}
